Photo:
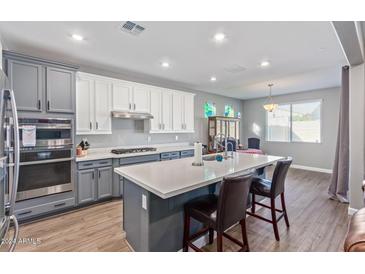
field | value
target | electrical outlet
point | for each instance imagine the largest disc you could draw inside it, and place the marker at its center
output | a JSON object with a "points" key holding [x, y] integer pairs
{"points": [[176, 137], [144, 202]]}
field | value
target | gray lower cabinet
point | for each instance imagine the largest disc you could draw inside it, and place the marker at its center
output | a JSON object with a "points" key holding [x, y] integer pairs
{"points": [[94, 183], [60, 86], [26, 79], [105, 182], [86, 186]]}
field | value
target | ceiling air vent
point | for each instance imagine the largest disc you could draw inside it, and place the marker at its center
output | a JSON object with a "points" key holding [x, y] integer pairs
{"points": [[132, 28], [235, 69]]}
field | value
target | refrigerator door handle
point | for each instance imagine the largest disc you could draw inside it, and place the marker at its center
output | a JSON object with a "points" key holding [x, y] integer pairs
{"points": [[14, 186], [16, 233]]}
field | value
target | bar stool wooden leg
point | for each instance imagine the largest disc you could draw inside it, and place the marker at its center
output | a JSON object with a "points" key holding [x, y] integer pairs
{"points": [[186, 231], [284, 209], [219, 242], [253, 203], [274, 220], [244, 234], [211, 235]]}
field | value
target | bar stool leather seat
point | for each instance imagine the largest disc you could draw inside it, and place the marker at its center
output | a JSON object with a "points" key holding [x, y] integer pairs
{"points": [[203, 209], [219, 213], [260, 186], [271, 189]]}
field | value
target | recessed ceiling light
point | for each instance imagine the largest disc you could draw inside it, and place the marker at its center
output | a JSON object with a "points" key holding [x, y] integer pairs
{"points": [[213, 79], [219, 37], [265, 64], [165, 64], [77, 37]]}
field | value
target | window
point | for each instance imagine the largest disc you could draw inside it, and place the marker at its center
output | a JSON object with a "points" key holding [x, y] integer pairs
{"points": [[278, 124], [209, 109], [296, 122]]}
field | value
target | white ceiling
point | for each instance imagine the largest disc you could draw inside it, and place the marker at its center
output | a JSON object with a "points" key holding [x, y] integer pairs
{"points": [[303, 55]]}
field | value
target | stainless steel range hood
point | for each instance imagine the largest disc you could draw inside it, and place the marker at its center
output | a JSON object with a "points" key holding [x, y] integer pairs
{"points": [[132, 115]]}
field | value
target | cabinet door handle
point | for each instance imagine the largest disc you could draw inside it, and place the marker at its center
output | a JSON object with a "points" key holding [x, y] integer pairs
{"points": [[39, 104], [130, 105], [99, 174], [93, 175], [97, 125], [163, 125], [134, 106], [25, 212], [91, 125], [60, 204], [48, 105]]}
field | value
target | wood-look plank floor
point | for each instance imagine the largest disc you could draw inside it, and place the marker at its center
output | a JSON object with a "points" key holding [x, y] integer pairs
{"points": [[317, 224], [94, 228]]}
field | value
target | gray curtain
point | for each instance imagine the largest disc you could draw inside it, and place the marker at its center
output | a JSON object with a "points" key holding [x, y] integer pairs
{"points": [[340, 173]]}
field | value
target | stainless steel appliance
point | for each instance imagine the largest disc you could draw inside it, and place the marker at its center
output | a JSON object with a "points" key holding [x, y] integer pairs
{"points": [[9, 164], [46, 167], [133, 150]]}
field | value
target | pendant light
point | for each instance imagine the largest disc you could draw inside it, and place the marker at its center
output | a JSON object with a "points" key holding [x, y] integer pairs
{"points": [[269, 104]]}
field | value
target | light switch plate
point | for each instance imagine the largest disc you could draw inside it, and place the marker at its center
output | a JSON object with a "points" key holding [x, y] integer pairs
{"points": [[149, 139], [144, 202]]}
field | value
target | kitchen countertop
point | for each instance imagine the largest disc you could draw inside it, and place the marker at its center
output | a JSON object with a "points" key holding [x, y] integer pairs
{"points": [[105, 153], [170, 178]]}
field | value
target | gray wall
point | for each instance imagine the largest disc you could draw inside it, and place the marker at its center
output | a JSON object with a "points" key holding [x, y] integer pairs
{"points": [[306, 154], [128, 132]]}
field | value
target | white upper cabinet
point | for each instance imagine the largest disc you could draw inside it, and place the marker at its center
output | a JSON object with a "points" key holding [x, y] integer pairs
{"points": [[177, 105], [188, 112], [131, 97], [84, 103], [97, 96], [155, 107], [122, 93], [141, 98], [102, 118], [173, 111], [93, 105], [166, 117]]}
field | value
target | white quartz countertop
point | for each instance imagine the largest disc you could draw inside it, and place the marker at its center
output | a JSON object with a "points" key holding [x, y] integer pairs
{"points": [[105, 153], [170, 178]]}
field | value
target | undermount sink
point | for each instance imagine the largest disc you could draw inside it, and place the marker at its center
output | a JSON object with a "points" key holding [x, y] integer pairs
{"points": [[212, 157], [209, 158]]}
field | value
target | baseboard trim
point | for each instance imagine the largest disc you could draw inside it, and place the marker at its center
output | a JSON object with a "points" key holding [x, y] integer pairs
{"points": [[351, 211], [317, 169]]}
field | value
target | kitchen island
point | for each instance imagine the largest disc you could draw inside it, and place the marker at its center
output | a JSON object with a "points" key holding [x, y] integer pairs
{"points": [[155, 194]]}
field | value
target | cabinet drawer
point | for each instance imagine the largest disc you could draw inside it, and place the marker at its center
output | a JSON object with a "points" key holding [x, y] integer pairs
{"points": [[169, 155], [174, 154], [93, 164], [187, 153], [139, 159], [44, 208]]}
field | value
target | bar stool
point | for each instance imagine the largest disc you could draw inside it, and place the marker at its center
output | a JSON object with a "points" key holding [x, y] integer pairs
{"points": [[218, 213], [272, 189]]}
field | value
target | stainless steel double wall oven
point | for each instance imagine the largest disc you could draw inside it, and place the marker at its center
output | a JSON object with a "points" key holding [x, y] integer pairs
{"points": [[46, 168]]}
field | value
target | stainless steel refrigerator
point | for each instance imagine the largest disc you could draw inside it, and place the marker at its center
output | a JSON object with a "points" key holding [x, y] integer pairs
{"points": [[9, 165]]}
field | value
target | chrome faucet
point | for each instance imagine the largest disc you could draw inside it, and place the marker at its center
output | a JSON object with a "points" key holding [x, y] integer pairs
{"points": [[224, 147]]}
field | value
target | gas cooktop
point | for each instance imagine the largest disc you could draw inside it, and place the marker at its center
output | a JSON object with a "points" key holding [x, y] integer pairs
{"points": [[133, 150]]}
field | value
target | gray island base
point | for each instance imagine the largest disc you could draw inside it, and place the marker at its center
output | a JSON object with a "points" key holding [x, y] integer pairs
{"points": [[160, 226]]}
